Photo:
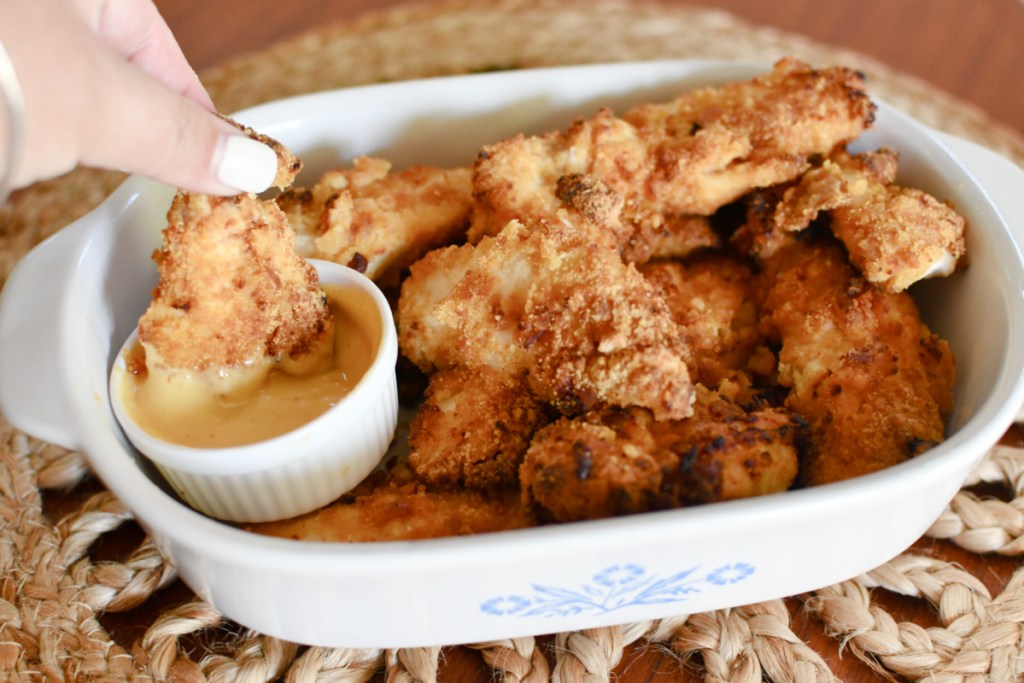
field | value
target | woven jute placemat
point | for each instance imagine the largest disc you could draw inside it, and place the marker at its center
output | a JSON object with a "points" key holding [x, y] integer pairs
{"points": [[60, 595]]}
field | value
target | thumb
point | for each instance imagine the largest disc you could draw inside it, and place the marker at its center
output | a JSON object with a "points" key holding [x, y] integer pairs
{"points": [[138, 124]]}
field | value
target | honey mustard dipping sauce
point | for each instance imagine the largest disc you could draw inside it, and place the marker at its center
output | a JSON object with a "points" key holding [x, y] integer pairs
{"points": [[241, 406]]}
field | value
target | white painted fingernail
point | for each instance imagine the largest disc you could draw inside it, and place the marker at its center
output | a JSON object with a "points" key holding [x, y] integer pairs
{"points": [[246, 164]]}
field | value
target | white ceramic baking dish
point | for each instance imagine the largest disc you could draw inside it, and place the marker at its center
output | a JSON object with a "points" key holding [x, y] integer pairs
{"points": [[72, 300]]}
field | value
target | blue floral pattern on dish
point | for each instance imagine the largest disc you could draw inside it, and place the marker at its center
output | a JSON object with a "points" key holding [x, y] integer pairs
{"points": [[613, 588]]}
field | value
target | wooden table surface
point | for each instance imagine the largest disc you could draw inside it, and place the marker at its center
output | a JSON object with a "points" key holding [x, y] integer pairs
{"points": [[973, 50]]}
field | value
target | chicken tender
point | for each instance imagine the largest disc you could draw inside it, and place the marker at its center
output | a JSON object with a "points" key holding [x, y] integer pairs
{"points": [[232, 294], [473, 428], [553, 300], [863, 369], [894, 235], [622, 462], [403, 509], [434, 339], [692, 155], [712, 299], [377, 221], [580, 469]]}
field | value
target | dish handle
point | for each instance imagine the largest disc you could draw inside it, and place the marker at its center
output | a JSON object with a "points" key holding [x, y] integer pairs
{"points": [[36, 304], [33, 397], [1001, 178]]}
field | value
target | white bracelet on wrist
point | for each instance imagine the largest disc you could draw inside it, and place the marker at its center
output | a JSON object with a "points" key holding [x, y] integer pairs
{"points": [[14, 110]]}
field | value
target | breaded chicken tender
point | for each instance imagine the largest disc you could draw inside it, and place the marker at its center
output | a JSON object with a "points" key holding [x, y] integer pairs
{"points": [[658, 163], [473, 427], [433, 343], [863, 369], [377, 221], [712, 299], [623, 461], [233, 297], [894, 235], [556, 302], [403, 509]]}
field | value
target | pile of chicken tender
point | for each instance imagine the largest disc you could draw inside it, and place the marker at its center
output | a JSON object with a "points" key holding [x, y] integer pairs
{"points": [[687, 302]]}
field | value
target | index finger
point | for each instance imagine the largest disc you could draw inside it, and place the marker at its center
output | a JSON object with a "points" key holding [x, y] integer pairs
{"points": [[135, 29]]}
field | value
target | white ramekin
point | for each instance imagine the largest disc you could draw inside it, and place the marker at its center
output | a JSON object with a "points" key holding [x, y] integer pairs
{"points": [[300, 470]]}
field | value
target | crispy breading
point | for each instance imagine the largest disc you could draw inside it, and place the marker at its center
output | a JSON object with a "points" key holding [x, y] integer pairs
{"points": [[674, 238], [894, 235], [304, 208], [403, 509], [473, 427], [712, 299], [578, 469], [231, 290], [838, 180], [758, 236], [727, 452], [518, 178], [557, 302], [377, 221], [621, 462], [867, 374], [668, 237], [692, 155]]}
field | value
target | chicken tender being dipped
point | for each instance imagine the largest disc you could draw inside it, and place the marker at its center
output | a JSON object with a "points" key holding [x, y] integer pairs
{"points": [[233, 298], [624, 461], [867, 374], [377, 221], [666, 161]]}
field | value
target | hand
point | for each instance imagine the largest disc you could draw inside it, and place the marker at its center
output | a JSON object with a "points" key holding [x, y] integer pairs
{"points": [[105, 84]]}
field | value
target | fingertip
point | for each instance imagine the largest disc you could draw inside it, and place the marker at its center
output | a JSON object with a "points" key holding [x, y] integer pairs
{"points": [[244, 164]]}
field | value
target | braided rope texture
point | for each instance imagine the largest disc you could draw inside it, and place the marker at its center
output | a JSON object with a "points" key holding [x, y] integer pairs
{"points": [[61, 598]]}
